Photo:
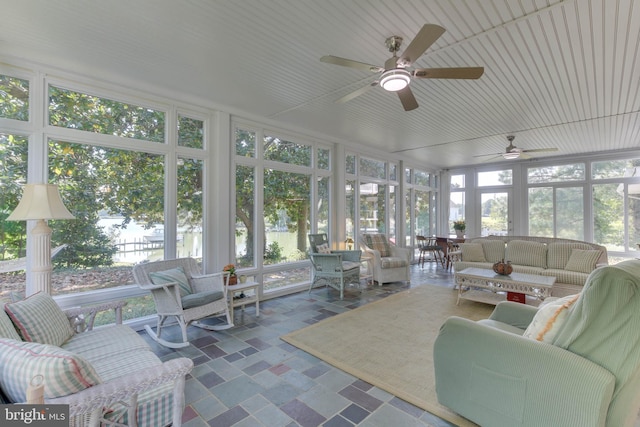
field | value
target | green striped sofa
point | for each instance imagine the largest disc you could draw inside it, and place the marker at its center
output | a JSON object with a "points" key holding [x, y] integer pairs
{"points": [[104, 374], [584, 371], [569, 261]]}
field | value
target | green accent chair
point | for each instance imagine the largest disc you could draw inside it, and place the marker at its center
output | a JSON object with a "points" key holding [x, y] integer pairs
{"points": [[335, 267], [587, 375]]}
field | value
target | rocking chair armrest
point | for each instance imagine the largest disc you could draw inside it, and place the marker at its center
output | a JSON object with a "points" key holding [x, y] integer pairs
{"points": [[166, 297], [128, 387], [82, 318], [154, 287]]}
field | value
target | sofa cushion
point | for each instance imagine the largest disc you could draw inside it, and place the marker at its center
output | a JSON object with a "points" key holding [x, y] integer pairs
{"points": [[173, 275], [64, 372], [549, 319], [493, 249], [39, 318], [583, 261], [7, 330], [566, 276], [472, 252], [558, 253], [523, 252], [105, 343], [378, 242]]}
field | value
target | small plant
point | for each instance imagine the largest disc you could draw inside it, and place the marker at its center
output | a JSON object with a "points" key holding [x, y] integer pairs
{"points": [[459, 225], [230, 268]]}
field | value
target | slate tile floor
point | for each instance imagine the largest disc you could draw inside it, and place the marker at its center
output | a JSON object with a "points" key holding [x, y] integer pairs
{"points": [[247, 377]]}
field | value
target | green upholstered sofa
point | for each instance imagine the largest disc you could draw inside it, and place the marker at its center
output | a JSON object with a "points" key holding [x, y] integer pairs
{"points": [[107, 372], [586, 374], [569, 261]]}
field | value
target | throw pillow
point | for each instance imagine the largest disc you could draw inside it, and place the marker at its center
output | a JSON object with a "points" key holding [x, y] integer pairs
{"points": [[472, 252], [173, 275], [7, 330], [549, 319], [493, 249], [323, 248], [558, 253], [40, 319], [583, 261], [64, 372]]}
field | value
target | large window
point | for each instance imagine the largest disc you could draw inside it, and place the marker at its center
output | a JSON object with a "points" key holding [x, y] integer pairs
{"points": [[457, 197], [111, 161], [616, 204], [292, 179]]}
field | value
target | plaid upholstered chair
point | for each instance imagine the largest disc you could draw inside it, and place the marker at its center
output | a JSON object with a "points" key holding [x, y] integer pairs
{"points": [[390, 263], [336, 268]]}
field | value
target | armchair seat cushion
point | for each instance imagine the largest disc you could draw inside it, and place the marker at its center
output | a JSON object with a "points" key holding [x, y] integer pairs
{"points": [[200, 299], [350, 265], [393, 262]]}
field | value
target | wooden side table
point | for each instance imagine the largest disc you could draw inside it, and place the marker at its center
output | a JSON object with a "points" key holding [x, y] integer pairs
{"points": [[241, 288]]}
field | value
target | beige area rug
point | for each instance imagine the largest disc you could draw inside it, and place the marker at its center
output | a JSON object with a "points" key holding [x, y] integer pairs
{"points": [[389, 343]]}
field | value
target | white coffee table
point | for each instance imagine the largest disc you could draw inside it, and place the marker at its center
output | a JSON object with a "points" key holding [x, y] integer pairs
{"points": [[483, 285]]}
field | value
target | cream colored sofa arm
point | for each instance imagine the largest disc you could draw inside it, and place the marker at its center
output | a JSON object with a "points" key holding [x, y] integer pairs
{"points": [[91, 401]]}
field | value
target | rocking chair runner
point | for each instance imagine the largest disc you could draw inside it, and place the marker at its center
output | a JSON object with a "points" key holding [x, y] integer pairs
{"points": [[335, 267], [180, 290]]}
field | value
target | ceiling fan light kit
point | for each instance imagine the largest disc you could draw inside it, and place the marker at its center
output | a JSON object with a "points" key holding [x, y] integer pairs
{"points": [[395, 76], [511, 155], [395, 80]]}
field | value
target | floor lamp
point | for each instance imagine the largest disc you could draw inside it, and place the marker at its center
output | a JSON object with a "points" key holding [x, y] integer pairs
{"points": [[39, 202]]}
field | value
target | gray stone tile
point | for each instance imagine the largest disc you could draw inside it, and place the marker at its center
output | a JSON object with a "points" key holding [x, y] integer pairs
{"points": [[247, 376]]}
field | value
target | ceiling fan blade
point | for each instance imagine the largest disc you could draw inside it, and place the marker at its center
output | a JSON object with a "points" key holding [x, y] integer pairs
{"points": [[539, 150], [407, 99], [336, 60], [427, 36], [356, 93], [449, 73], [491, 154]]}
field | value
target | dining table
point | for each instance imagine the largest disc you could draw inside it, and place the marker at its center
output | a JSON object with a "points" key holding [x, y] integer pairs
{"points": [[447, 244]]}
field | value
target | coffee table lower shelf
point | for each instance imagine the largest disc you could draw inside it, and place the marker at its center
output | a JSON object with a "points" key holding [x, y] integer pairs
{"points": [[488, 297]]}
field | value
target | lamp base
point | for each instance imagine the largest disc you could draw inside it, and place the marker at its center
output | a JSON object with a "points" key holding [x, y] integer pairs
{"points": [[39, 259]]}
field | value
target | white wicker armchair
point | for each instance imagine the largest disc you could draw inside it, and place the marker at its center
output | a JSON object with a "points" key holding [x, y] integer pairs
{"points": [[181, 291]]}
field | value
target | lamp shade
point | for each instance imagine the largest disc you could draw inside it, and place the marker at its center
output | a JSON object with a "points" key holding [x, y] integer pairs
{"points": [[40, 201]]}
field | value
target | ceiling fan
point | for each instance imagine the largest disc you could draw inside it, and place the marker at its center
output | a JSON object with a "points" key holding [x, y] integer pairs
{"points": [[512, 152], [395, 75]]}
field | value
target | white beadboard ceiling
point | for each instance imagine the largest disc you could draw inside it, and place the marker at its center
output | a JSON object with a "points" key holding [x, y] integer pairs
{"points": [[562, 74]]}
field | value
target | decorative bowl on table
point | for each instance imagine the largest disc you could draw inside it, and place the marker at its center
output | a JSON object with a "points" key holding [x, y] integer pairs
{"points": [[503, 268]]}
